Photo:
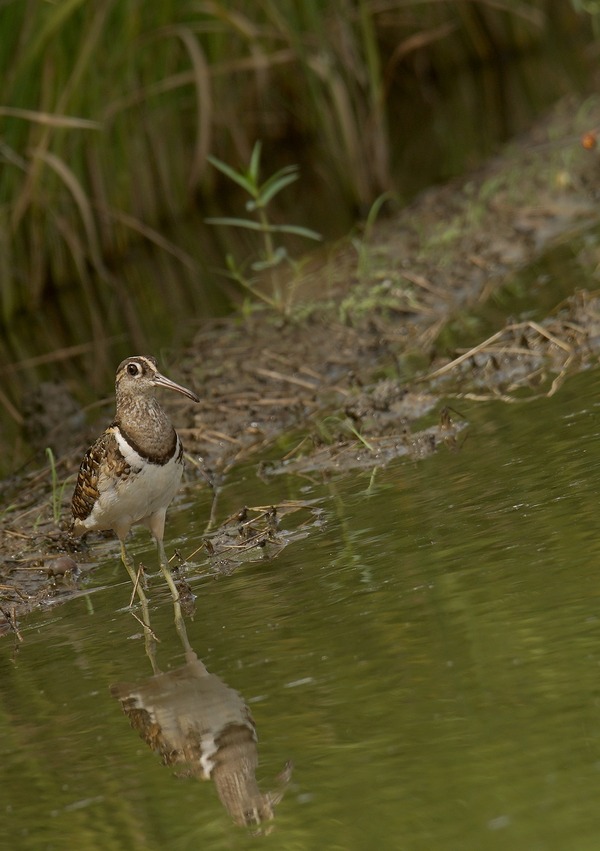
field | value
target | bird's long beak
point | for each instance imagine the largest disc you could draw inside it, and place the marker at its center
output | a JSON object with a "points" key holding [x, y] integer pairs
{"points": [[162, 381]]}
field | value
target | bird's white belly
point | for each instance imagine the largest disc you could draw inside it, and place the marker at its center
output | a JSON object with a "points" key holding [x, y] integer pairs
{"points": [[134, 498]]}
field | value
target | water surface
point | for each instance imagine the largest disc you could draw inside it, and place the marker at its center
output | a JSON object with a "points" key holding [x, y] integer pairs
{"points": [[428, 658]]}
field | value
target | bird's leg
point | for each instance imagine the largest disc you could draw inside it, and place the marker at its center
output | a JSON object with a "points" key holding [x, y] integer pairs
{"points": [[149, 637], [157, 528], [156, 525], [133, 575], [166, 570]]}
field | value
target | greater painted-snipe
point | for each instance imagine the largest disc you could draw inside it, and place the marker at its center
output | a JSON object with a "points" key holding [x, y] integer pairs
{"points": [[133, 470]]}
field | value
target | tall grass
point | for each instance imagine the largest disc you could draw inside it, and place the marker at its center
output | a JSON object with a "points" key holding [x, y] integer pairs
{"points": [[109, 111]]}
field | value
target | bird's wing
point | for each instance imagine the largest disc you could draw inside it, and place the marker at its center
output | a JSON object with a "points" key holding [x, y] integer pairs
{"points": [[102, 457]]}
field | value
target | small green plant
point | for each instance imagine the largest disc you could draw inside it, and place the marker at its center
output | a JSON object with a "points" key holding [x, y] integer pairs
{"points": [[270, 254], [5, 511], [58, 489], [362, 245]]}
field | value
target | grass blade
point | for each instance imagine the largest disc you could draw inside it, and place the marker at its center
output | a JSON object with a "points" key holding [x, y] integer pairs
{"points": [[229, 172]]}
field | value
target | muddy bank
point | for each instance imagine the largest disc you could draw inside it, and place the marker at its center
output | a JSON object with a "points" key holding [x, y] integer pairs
{"points": [[364, 343], [361, 369]]}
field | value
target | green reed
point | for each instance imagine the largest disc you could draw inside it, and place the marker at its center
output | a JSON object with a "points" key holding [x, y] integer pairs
{"points": [[111, 110]]}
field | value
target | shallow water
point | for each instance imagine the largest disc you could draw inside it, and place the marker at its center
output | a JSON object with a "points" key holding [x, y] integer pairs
{"points": [[428, 657]]}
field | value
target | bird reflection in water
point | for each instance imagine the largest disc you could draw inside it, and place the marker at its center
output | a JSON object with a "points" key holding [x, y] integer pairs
{"points": [[197, 723]]}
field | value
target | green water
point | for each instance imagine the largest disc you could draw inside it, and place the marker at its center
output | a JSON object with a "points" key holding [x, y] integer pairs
{"points": [[428, 658]]}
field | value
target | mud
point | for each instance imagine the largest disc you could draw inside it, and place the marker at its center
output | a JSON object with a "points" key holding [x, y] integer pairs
{"points": [[355, 372]]}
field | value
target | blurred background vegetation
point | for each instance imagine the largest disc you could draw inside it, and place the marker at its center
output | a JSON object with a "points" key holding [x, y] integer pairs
{"points": [[111, 109]]}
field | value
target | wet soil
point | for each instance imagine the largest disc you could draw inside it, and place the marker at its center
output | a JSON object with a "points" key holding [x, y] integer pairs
{"points": [[378, 342]]}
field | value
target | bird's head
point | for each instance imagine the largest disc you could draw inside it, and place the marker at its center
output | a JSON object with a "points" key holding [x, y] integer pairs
{"points": [[139, 376]]}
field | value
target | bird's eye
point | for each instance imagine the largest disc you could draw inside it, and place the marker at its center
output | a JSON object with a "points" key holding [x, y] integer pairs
{"points": [[133, 369]]}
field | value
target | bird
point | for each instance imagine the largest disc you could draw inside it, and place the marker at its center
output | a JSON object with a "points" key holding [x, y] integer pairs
{"points": [[133, 470]]}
